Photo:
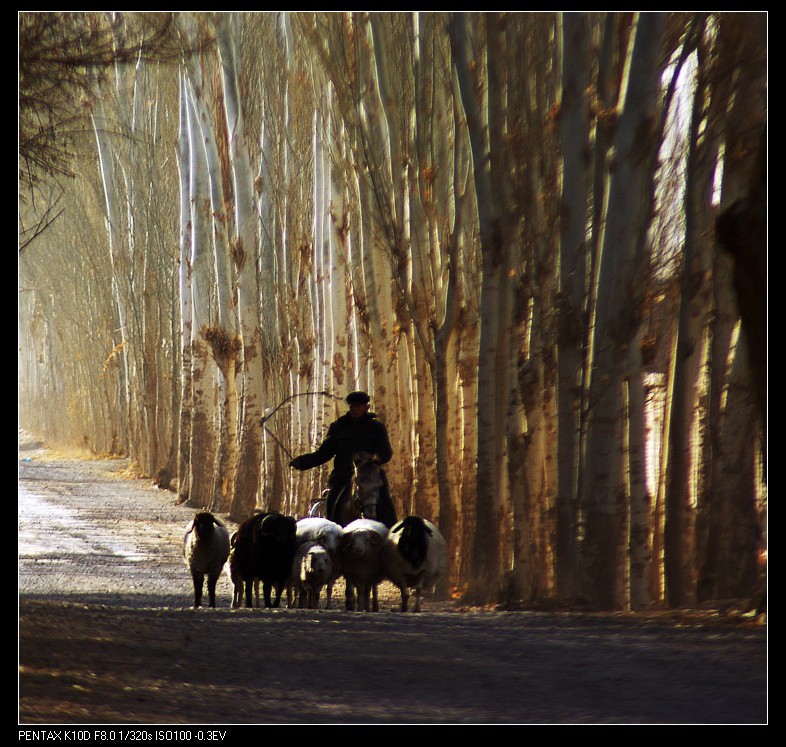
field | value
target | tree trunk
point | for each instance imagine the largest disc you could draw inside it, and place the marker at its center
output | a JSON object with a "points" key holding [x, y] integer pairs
{"points": [[245, 253], [627, 217], [571, 324], [107, 171], [639, 521], [186, 301], [694, 308], [202, 373], [222, 336], [495, 302]]}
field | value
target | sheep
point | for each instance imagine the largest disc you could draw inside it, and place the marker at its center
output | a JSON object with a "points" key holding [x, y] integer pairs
{"points": [[415, 557], [264, 550], [312, 570], [205, 549], [360, 554], [236, 576], [325, 533], [316, 529]]}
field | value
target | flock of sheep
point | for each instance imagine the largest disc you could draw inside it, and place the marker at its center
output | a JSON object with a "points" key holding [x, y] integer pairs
{"points": [[307, 556]]}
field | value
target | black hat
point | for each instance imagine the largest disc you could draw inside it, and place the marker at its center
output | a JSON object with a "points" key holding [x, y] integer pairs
{"points": [[358, 398]]}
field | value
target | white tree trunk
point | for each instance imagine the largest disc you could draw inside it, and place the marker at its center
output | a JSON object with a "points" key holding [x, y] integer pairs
{"points": [[186, 299], [245, 253], [113, 226], [223, 337], [203, 372]]}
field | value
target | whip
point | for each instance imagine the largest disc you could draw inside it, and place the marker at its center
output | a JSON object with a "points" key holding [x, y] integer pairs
{"points": [[285, 401]]}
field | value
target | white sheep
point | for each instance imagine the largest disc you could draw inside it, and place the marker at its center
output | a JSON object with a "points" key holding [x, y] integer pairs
{"points": [[317, 529], [205, 549], [325, 533], [312, 570], [415, 556], [360, 554]]}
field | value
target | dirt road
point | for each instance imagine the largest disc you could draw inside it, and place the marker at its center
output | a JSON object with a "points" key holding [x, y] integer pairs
{"points": [[106, 636]]}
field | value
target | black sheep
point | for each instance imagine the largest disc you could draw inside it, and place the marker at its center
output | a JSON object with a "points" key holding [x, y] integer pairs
{"points": [[264, 550]]}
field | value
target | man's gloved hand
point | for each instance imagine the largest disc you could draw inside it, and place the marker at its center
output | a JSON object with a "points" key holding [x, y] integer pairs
{"points": [[297, 463]]}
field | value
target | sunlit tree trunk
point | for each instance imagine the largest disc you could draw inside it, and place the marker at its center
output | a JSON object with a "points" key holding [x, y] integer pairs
{"points": [[344, 356], [202, 441], [534, 177], [416, 249], [222, 336], [140, 212], [623, 243], [689, 356], [385, 153], [113, 226], [447, 403], [495, 300], [245, 253], [186, 300], [274, 269]]}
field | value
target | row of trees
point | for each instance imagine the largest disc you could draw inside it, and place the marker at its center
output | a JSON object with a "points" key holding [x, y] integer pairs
{"points": [[501, 225]]}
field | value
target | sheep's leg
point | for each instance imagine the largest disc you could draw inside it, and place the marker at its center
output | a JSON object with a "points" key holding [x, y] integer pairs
{"points": [[360, 604], [375, 597], [211, 589], [404, 599], [329, 596], [266, 591], [199, 579], [249, 589], [364, 597], [417, 599], [269, 587], [349, 598]]}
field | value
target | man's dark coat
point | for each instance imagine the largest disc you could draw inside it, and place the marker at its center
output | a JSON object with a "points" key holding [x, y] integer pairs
{"points": [[345, 437]]}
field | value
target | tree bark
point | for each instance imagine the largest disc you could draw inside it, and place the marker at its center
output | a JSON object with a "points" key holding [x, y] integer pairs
{"points": [[494, 300], [627, 217], [571, 324], [203, 372], [222, 336], [245, 253]]}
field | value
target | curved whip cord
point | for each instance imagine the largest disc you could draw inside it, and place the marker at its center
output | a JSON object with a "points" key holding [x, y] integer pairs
{"points": [[284, 402]]}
